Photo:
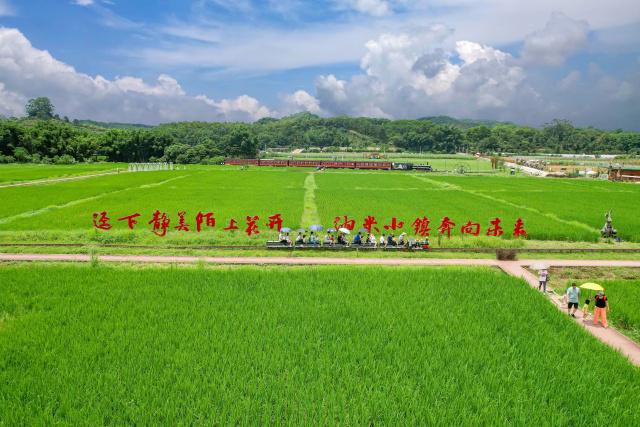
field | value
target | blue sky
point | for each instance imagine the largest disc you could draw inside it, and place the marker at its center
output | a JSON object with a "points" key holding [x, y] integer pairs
{"points": [[157, 61]]}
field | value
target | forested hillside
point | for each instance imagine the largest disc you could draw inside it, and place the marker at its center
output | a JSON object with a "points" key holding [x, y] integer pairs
{"points": [[53, 140]]}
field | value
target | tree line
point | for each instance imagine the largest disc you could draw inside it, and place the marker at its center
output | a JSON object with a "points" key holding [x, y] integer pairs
{"points": [[43, 137]]}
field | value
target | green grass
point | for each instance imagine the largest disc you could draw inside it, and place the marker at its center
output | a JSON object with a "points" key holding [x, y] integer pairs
{"points": [[558, 210], [579, 204], [228, 193], [624, 296], [100, 345], [28, 172]]}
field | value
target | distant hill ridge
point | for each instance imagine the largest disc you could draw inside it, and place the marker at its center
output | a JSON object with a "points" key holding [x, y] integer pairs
{"points": [[440, 120]]}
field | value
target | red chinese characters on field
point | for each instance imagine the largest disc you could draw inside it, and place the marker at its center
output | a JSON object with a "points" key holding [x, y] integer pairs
{"points": [[445, 226], [369, 223], [252, 226], [233, 225], [421, 226], [275, 222], [347, 223], [131, 220], [101, 221], [518, 229], [182, 226], [495, 229], [470, 227], [207, 218], [160, 223], [395, 224]]}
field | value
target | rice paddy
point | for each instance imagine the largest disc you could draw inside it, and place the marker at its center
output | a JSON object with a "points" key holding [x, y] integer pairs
{"points": [[328, 345], [569, 210], [28, 172]]}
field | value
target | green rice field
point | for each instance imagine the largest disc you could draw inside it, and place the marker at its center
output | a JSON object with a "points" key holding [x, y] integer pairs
{"points": [[568, 210], [97, 345], [28, 172]]}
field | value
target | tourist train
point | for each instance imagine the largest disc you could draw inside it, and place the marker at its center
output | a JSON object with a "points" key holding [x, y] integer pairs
{"points": [[334, 164]]}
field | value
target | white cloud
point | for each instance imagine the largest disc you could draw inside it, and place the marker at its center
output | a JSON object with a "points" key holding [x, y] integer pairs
{"points": [[368, 7], [300, 101], [27, 72], [243, 48], [83, 2], [570, 80], [240, 5], [11, 104], [561, 37], [264, 45], [6, 9], [406, 77]]}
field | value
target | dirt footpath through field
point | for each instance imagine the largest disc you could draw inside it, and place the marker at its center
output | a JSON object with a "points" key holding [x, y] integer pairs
{"points": [[609, 336]]}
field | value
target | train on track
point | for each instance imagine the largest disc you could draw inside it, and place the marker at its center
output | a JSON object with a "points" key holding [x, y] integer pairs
{"points": [[328, 164]]}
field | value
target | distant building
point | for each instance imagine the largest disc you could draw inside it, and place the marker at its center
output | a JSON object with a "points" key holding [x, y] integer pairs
{"points": [[624, 173]]}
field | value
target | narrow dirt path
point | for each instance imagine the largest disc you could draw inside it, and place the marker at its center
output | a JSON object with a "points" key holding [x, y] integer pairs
{"points": [[609, 336], [310, 213]]}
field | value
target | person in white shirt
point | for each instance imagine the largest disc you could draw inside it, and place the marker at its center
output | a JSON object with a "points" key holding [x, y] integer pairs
{"points": [[543, 278]]}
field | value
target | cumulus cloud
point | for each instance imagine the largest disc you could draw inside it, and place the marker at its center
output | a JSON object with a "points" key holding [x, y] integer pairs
{"points": [[11, 103], [27, 72], [300, 101], [561, 37], [409, 75], [405, 76]]}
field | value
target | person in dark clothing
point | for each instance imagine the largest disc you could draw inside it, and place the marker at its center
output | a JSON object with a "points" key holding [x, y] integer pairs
{"points": [[391, 241], [357, 240], [341, 239], [600, 309]]}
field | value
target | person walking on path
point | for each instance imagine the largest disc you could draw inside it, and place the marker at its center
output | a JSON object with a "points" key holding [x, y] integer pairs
{"points": [[600, 309], [543, 277], [573, 298]]}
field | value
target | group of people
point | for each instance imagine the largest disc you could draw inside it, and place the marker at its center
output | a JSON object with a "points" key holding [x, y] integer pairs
{"points": [[572, 297], [601, 305], [301, 239], [360, 238]]}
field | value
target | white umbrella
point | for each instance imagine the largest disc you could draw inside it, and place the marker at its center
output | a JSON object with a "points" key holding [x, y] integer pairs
{"points": [[539, 266], [344, 230]]}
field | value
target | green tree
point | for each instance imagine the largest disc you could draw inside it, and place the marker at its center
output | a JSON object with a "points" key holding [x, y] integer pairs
{"points": [[40, 108]]}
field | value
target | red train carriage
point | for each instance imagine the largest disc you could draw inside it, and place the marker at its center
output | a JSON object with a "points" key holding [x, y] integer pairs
{"points": [[305, 163], [273, 162], [339, 165], [373, 165]]}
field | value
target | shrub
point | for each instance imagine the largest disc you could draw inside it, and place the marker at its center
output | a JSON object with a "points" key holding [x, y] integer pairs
{"points": [[65, 159]]}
